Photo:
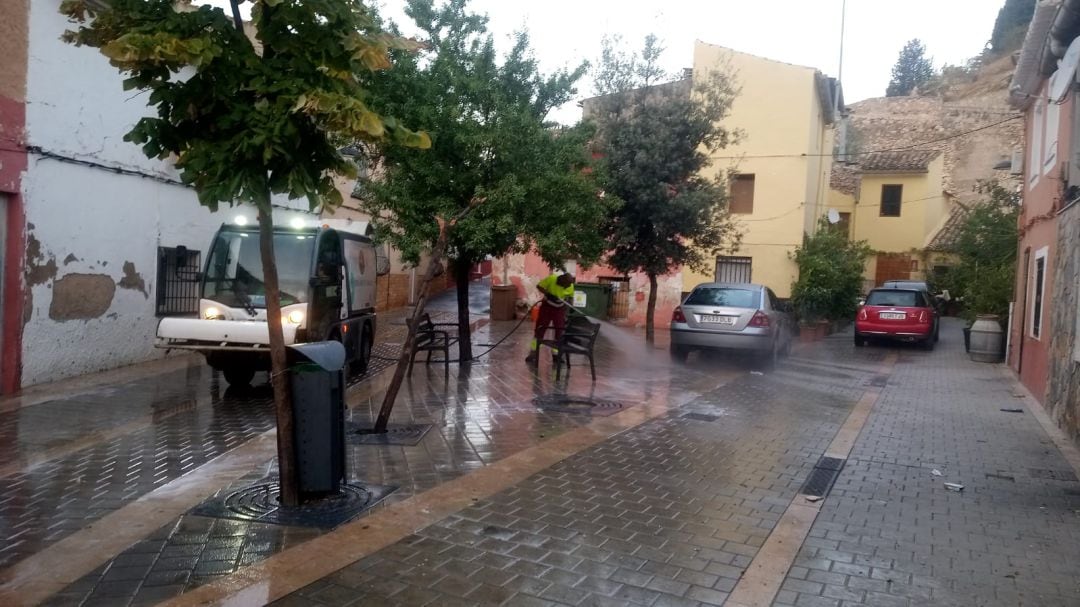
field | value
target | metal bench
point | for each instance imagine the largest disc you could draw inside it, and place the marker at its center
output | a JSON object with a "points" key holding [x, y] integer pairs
{"points": [[578, 338], [430, 338]]}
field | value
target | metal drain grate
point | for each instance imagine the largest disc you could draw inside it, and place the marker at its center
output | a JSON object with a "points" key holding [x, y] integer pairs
{"points": [[822, 477], [568, 403], [1052, 475], [879, 381], [701, 417], [259, 503], [408, 435]]}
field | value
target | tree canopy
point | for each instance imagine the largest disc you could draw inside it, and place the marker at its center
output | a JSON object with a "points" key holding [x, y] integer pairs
{"points": [[1010, 25], [246, 119], [985, 276], [655, 135], [491, 143], [912, 70]]}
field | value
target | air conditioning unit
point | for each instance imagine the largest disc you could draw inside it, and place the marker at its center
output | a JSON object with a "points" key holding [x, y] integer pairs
{"points": [[1017, 165]]}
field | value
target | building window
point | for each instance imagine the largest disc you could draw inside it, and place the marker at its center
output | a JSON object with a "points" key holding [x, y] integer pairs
{"points": [[178, 281], [1034, 163], [1053, 121], [733, 269], [742, 194], [891, 196], [1037, 294], [844, 225]]}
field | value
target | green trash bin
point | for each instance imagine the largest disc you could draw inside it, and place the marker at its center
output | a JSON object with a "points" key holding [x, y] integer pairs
{"points": [[592, 299]]}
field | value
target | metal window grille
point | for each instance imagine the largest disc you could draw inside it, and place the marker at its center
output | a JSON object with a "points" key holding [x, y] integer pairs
{"points": [[178, 281], [619, 305], [734, 269]]}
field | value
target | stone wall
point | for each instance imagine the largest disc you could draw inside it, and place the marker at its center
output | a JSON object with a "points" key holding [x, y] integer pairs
{"points": [[1063, 392], [894, 122]]}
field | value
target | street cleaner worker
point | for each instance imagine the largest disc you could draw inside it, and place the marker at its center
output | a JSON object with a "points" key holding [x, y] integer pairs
{"points": [[558, 293]]}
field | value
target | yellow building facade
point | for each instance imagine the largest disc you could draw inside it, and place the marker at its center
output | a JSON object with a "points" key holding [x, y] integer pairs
{"points": [[898, 207], [785, 114]]}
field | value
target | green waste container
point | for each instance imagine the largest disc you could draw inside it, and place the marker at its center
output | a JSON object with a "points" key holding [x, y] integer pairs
{"points": [[592, 299]]}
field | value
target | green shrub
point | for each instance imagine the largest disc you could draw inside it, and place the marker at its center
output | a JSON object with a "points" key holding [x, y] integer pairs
{"points": [[830, 275]]}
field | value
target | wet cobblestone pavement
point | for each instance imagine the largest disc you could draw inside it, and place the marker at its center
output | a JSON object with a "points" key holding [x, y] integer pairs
{"points": [[673, 510]]}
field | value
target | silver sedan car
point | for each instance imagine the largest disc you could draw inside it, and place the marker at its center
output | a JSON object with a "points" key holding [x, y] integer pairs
{"points": [[731, 316]]}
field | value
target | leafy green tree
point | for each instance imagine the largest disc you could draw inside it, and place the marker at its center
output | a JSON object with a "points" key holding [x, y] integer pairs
{"points": [[247, 119], [830, 274], [491, 146], [1010, 25], [986, 245], [655, 134], [912, 70]]}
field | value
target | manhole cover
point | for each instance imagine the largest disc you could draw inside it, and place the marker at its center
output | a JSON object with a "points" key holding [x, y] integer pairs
{"points": [[259, 503], [568, 403], [396, 434]]}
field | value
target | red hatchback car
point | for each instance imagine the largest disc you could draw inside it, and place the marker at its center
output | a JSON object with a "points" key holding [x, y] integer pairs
{"points": [[901, 314]]}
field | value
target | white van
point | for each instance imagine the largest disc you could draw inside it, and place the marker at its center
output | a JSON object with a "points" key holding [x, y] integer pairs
{"points": [[326, 276]]}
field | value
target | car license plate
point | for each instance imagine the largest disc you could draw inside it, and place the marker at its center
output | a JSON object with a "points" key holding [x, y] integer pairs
{"points": [[717, 320], [892, 316]]}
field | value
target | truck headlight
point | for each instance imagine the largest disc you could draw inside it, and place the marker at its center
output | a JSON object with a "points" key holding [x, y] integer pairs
{"points": [[295, 317], [213, 313]]}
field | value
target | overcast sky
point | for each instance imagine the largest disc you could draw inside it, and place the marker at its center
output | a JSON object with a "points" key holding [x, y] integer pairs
{"points": [[805, 32]]}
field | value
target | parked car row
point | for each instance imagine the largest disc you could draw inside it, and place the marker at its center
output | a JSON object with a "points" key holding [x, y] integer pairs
{"points": [[750, 318]]}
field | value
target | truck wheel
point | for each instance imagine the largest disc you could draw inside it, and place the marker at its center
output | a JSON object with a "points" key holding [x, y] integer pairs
{"points": [[238, 376], [363, 359]]}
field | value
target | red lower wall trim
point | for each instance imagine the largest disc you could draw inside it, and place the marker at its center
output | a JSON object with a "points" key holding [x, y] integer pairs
{"points": [[13, 163]]}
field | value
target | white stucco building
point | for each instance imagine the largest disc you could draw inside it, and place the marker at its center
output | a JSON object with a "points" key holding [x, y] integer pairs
{"points": [[91, 226]]}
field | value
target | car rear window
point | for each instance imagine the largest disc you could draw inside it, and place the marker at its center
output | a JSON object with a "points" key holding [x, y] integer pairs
{"points": [[723, 296], [888, 297]]}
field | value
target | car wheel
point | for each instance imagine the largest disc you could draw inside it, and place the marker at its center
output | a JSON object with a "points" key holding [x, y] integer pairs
{"points": [[860, 341], [937, 333], [679, 353], [928, 344], [767, 360], [238, 376]]}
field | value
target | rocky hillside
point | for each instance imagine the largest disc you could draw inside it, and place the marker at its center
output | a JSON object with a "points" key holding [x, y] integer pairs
{"points": [[954, 118]]}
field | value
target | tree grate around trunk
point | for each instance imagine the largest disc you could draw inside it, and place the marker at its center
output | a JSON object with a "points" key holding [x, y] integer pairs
{"points": [[408, 435], [260, 503]]}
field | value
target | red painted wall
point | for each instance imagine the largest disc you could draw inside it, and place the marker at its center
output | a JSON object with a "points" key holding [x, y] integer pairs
{"points": [[1030, 356], [13, 163]]}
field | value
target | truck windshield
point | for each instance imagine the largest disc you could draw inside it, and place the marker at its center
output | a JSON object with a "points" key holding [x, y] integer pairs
{"points": [[234, 276]]}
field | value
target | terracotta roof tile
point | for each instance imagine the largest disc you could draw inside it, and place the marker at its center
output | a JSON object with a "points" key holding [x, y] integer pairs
{"points": [[945, 239], [909, 160]]}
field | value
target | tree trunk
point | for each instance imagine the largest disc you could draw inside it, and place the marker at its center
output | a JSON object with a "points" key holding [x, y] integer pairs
{"points": [[407, 349], [650, 311], [279, 379], [462, 271]]}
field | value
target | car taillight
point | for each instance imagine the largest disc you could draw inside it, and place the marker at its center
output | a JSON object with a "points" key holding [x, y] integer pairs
{"points": [[677, 315], [922, 316], [760, 320], [863, 314]]}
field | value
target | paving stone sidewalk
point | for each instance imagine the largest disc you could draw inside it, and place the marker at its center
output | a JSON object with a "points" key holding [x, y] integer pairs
{"points": [[480, 413], [668, 513], [891, 533]]}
